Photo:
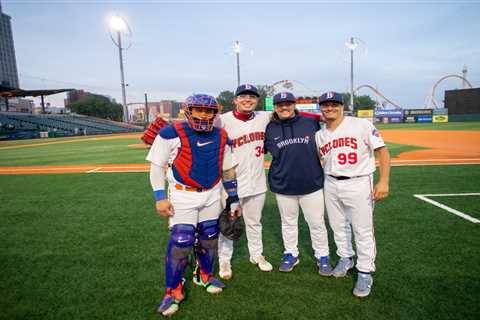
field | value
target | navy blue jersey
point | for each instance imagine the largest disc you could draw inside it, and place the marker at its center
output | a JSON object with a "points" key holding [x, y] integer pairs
{"points": [[295, 167]]}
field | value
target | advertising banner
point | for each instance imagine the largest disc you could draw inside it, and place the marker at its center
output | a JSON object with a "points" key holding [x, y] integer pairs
{"points": [[418, 112], [365, 113], [423, 119], [268, 103], [381, 113], [309, 107], [440, 111], [395, 120], [440, 118], [409, 119]]}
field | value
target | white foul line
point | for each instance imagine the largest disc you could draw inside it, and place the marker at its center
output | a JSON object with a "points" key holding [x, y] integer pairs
{"points": [[444, 207], [94, 170]]}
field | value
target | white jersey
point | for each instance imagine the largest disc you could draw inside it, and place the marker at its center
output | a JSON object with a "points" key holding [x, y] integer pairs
{"points": [[164, 151], [247, 143], [349, 149]]}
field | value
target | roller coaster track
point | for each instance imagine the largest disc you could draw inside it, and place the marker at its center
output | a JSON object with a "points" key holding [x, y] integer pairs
{"points": [[433, 101], [377, 93]]}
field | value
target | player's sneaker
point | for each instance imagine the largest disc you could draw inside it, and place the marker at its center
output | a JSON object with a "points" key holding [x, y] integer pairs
{"points": [[171, 300], [213, 285], [363, 285], [288, 262], [225, 271], [324, 267], [342, 267], [262, 264]]}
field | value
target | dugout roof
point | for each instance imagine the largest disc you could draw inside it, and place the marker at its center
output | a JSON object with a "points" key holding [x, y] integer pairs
{"points": [[8, 92]]}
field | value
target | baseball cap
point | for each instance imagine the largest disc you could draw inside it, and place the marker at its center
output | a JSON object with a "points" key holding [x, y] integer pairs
{"points": [[330, 96], [284, 97], [246, 88]]}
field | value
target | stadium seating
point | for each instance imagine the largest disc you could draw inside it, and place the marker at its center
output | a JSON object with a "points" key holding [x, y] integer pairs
{"points": [[70, 124]]}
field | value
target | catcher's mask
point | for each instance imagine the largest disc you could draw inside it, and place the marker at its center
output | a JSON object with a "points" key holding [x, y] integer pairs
{"points": [[200, 101]]}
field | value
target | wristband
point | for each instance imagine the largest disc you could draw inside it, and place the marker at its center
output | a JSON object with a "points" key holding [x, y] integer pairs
{"points": [[159, 194], [230, 187]]}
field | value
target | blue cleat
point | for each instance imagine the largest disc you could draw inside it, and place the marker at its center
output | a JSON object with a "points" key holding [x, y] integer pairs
{"points": [[288, 263], [342, 267], [171, 300], [324, 267]]}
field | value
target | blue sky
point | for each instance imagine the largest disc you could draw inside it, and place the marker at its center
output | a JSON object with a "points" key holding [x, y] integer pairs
{"points": [[184, 47]]}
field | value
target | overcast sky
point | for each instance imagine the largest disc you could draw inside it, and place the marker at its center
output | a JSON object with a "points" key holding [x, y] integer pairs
{"points": [[182, 47]]}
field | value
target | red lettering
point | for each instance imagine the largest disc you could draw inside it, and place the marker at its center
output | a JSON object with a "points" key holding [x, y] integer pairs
{"points": [[335, 143], [354, 143]]}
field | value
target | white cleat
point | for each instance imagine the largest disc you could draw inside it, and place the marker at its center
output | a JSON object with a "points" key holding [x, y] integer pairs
{"points": [[225, 271], [363, 286], [262, 264]]}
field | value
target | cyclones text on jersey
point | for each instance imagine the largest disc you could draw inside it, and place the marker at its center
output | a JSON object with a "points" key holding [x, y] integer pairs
{"points": [[247, 138], [337, 143]]}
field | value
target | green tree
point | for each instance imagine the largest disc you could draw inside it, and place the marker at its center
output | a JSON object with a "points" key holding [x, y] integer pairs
{"points": [[97, 106], [360, 102], [225, 98]]}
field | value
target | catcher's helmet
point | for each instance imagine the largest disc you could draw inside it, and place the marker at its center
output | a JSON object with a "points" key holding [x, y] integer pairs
{"points": [[200, 101], [231, 226]]}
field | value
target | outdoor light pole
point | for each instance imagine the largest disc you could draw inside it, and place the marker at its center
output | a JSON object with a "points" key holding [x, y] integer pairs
{"points": [[351, 45], [119, 25], [236, 49]]}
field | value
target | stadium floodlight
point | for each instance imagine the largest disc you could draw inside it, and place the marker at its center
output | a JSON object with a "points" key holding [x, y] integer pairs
{"points": [[236, 50], [351, 45], [119, 26]]}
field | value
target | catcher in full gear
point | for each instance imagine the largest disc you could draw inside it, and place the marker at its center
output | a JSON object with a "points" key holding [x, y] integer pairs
{"points": [[198, 156]]}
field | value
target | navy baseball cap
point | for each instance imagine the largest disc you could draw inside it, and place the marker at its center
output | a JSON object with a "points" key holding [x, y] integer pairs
{"points": [[246, 88], [284, 97], [330, 97]]}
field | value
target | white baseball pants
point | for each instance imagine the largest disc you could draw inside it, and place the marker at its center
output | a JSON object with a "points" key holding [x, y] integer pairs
{"points": [[312, 205], [252, 213], [349, 206]]}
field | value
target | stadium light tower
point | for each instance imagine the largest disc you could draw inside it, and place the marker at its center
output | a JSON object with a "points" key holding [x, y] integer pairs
{"points": [[236, 50], [352, 44], [119, 26]]}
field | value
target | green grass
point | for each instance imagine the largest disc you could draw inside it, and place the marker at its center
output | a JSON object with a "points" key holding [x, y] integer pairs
{"points": [[114, 151], [467, 204], [469, 126], [78, 246]]}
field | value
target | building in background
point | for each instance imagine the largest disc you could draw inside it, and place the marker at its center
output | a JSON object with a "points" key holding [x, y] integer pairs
{"points": [[8, 64]]}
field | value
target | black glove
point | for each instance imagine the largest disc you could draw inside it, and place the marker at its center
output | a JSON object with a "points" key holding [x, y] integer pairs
{"points": [[231, 225]]}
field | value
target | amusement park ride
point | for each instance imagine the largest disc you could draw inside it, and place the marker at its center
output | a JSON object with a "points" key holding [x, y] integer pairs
{"points": [[307, 93]]}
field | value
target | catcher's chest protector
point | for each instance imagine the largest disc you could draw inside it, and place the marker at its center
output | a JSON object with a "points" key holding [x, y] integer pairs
{"points": [[200, 157]]}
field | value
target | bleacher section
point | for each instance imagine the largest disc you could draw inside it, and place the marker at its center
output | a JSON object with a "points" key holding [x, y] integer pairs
{"points": [[14, 123]]}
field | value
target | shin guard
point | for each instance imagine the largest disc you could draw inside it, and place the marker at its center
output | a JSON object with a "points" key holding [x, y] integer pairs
{"points": [[206, 250], [182, 239]]}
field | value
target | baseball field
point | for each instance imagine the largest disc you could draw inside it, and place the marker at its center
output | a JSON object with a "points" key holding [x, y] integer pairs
{"points": [[80, 238]]}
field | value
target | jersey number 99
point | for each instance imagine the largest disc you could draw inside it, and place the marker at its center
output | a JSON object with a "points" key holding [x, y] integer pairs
{"points": [[343, 158]]}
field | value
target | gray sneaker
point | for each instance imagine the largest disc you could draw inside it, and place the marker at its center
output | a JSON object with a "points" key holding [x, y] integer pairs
{"points": [[363, 285], [342, 267]]}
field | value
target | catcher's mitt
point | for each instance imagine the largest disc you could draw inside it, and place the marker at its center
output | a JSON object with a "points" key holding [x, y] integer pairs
{"points": [[231, 225], [151, 132]]}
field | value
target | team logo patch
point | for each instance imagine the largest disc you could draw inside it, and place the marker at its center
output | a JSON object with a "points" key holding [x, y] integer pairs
{"points": [[248, 87], [376, 133], [329, 95], [283, 95]]}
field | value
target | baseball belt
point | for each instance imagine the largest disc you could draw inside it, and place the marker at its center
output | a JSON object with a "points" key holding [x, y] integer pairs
{"points": [[188, 188]]}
